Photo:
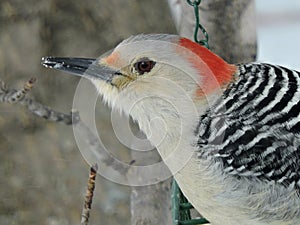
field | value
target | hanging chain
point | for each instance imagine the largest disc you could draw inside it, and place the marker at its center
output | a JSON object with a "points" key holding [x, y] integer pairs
{"points": [[181, 214], [203, 42]]}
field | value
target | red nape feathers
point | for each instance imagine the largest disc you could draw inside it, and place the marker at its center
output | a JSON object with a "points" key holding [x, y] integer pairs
{"points": [[214, 71]]}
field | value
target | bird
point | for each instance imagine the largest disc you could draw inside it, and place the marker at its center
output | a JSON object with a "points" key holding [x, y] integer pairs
{"points": [[230, 133]]}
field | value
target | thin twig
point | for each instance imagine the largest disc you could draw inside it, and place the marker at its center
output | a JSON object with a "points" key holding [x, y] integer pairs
{"points": [[85, 215], [12, 96], [19, 96]]}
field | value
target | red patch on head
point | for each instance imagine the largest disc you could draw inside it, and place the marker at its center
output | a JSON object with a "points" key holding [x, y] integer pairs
{"points": [[113, 59], [214, 71]]}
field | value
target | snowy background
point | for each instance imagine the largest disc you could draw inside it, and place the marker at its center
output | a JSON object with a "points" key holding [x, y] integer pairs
{"points": [[278, 32]]}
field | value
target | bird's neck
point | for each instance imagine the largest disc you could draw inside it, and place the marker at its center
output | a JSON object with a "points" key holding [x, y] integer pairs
{"points": [[170, 128]]}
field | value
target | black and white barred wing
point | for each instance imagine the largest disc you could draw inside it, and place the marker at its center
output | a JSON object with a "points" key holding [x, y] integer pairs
{"points": [[255, 128]]}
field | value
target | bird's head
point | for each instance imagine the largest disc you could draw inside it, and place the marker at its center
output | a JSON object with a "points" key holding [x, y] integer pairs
{"points": [[154, 72], [148, 64]]}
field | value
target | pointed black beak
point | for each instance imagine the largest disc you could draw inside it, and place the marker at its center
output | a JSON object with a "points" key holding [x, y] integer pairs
{"points": [[83, 67], [76, 66]]}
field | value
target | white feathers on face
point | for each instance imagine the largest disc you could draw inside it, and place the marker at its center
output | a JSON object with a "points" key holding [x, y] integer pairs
{"points": [[148, 64]]}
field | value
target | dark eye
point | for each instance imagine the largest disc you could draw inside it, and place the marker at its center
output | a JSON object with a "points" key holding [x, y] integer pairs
{"points": [[144, 66]]}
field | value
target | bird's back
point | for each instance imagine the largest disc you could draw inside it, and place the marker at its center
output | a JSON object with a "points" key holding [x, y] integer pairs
{"points": [[253, 131]]}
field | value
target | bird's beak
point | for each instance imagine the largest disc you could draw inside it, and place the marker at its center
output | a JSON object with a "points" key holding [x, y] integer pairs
{"points": [[83, 67]]}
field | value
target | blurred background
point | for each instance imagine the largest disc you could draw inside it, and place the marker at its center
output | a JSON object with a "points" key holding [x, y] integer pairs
{"points": [[278, 32], [42, 173]]}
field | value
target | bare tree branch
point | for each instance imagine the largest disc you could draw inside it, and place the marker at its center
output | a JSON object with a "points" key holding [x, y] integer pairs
{"points": [[85, 215], [19, 96], [12, 96]]}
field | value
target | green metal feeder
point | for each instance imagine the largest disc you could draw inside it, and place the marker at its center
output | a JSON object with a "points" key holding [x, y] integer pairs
{"points": [[181, 214]]}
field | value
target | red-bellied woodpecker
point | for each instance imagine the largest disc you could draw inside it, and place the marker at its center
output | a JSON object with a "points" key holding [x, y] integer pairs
{"points": [[239, 123]]}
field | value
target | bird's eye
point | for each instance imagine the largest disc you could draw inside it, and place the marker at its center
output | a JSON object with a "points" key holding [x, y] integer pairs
{"points": [[144, 66]]}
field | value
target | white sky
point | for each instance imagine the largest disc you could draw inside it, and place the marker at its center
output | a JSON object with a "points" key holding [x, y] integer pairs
{"points": [[278, 31]]}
